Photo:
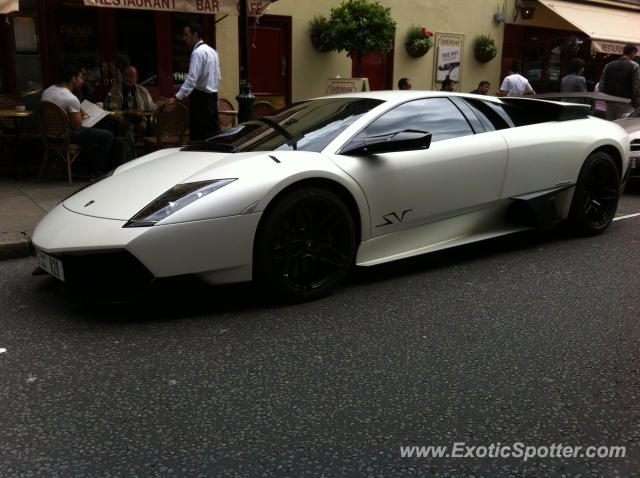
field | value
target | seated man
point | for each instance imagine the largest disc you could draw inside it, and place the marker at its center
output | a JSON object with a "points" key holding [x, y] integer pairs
{"points": [[130, 96], [98, 140]]}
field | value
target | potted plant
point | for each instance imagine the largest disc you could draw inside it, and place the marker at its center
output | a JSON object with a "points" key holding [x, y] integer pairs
{"points": [[318, 31], [360, 27], [484, 48], [418, 41]]}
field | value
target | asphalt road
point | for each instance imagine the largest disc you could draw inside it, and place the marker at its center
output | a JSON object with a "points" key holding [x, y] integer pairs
{"points": [[532, 338]]}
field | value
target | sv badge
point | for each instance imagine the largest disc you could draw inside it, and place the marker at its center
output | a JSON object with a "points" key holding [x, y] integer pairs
{"points": [[393, 218]]}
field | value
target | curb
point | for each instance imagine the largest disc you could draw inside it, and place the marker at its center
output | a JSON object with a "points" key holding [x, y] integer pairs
{"points": [[14, 245]]}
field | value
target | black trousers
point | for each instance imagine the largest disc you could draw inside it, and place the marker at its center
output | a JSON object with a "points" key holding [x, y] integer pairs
{"points": [[203, 115]]}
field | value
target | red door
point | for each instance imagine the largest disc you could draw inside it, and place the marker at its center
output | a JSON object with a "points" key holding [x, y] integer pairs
{"points": [[270, 59], [379, 70]]}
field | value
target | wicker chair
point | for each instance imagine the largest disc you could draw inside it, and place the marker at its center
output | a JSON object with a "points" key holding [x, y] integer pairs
{"points": [[56, 134], [169, 127], [226, 120], [9, 125], [160, 100], [263, 108]]}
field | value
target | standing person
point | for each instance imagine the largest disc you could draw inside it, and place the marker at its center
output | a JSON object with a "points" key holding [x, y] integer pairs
{"points": [[574, 81], [201, 85], [404, 84], [600, 110], [71, 78], [447, 85], [621, 78], [482, 89], [514, 84]]}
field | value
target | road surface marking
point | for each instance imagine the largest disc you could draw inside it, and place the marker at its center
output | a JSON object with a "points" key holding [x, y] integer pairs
{"points": [[627, 216]]}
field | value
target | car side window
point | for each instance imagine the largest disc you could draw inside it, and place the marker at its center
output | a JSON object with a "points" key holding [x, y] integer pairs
{"points": [[437, 116], [489, 111]]}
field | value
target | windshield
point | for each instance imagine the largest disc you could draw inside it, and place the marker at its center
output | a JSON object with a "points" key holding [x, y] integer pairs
{"points": [[307, 126]]}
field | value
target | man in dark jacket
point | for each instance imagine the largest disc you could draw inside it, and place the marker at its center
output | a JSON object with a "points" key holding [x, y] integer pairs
{"points": [[621, 78]]}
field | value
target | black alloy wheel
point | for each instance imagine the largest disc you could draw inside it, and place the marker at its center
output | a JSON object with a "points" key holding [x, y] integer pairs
{"points": [[596, 196], [305, 245]]}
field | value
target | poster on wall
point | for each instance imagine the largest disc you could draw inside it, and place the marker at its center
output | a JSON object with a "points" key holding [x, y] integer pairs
{"points": [[448, 56]]}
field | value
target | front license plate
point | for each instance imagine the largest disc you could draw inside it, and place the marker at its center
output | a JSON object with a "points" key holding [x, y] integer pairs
{"points": [[50, 264]]}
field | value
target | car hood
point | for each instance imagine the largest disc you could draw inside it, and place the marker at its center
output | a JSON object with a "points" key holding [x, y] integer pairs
{"points": [[134, 185]]}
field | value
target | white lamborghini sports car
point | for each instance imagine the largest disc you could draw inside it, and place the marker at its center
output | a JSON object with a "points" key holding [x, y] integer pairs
{"points": [[295, 199]]}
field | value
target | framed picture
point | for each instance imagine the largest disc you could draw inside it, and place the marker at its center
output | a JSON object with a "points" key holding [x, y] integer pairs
{"points": [[448, 57], [25, 35]]}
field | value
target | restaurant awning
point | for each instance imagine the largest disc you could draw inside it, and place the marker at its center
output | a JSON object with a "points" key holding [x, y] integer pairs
{"points": [[7, 6], [255, 8], [610, 29]]}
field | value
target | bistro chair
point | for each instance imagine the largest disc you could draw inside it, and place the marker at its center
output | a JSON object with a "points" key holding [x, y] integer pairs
{"points": [[263, 108], [55, 129], [226, 120], [169, 127], [9, 125]]}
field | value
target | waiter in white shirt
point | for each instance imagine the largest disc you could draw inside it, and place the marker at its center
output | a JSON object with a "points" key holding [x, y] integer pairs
{"points": [[201, 85]]}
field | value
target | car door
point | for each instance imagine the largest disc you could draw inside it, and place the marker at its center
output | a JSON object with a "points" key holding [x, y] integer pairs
{"points": [[459, 172]]}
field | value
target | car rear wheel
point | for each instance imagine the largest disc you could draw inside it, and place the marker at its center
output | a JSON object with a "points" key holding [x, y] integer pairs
{"points": [[305, 245], [596, 196]]}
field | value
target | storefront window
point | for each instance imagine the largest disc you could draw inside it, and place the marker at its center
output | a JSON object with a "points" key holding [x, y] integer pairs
{"points": [[77, 37], [535, 62], [181, 52], [136, 44], [555, 67]]}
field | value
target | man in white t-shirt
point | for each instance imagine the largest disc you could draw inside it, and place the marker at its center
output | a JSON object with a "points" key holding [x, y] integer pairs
{"points": [[99, 140], [515, 84]]}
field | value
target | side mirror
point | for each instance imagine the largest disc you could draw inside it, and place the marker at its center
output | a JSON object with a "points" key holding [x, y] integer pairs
{"points": [[409, 140]]}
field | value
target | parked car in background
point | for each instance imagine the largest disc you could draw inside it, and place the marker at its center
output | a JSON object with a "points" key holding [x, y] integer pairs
{"points": [[631, 124]]}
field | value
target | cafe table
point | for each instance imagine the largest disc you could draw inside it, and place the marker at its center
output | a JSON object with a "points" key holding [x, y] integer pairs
{"points": [[15, 114]]}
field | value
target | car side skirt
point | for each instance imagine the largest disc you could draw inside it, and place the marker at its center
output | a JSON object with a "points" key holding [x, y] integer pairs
{"points": [[454, 231]]}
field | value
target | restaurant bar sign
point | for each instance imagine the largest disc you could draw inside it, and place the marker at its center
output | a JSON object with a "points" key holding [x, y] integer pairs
{"points": [[255, 8], [602, 46]]}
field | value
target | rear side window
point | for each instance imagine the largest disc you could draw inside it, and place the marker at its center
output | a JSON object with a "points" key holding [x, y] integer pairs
{"points": [[489, 112], [437, 116]]}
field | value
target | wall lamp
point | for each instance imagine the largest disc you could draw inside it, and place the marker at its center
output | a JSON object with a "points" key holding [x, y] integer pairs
{"points": [[527, 12]]}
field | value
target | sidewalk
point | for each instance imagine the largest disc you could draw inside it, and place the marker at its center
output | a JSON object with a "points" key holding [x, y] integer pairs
{"points": [[22, 205]]}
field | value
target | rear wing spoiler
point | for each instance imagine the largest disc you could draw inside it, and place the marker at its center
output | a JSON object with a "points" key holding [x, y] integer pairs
{"points": [[532, 111]]}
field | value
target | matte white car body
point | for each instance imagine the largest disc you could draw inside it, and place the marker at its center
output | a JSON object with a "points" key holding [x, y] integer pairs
{"points": [[408, 203]]}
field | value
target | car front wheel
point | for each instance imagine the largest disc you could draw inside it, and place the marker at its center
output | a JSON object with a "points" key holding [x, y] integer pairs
{"points": [[305, 245], [596, 196]]}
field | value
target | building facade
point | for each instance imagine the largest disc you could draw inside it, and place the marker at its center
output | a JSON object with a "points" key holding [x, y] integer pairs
{"points": [[284, 66]]}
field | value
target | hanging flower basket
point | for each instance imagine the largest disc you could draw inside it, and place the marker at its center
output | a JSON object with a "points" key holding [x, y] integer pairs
{"points": [[319, 44], [418, 41], [484, 55], [416, 51], [484, 48], [318, 32]]}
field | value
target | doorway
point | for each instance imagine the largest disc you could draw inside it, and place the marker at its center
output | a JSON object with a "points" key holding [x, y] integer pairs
{"points": [[270, 59]]}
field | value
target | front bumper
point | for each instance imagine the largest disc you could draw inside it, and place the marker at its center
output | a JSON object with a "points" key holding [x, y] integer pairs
{"points": [[220, 249]]}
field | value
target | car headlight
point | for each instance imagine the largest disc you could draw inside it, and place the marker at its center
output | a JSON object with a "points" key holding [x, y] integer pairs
{"points": [[175, 199]]}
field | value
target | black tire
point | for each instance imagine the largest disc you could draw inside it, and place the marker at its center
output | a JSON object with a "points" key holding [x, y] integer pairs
{"points": [[305, 245], [596, 195]]}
